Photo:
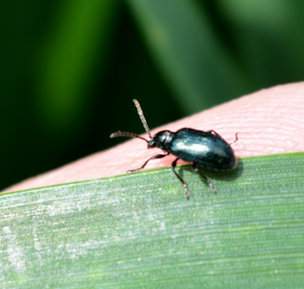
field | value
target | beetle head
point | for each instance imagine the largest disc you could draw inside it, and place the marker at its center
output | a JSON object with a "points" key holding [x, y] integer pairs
{"points": [[161, 140]]}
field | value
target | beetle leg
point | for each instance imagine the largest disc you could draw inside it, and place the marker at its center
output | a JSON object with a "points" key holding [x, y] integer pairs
{"points": [[185, 185], [236, 138], [195, 167], [206, 179], [158, 156], [209, 183]]}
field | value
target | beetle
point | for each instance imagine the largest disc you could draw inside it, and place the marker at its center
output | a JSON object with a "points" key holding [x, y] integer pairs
{"points": [[206, 150]]}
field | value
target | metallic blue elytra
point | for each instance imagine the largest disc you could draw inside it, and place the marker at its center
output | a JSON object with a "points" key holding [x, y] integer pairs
{"points": [[206, 150]]}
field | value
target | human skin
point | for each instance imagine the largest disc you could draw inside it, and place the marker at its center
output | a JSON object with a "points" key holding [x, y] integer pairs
{"points": [[270, 121]]}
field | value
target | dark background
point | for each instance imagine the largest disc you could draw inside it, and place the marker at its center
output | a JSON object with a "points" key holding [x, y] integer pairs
{"points": [[70, 68]]}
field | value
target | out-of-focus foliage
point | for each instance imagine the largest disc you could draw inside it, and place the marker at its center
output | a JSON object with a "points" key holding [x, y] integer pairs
{"points": [[71, 67]]}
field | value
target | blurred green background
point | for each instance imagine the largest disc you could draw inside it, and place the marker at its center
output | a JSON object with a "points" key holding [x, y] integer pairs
{"points": [[70, 68]]}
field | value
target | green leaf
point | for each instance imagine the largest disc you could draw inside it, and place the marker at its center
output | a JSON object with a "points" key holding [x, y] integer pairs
{"points": [[188, 53], [138, 231]]}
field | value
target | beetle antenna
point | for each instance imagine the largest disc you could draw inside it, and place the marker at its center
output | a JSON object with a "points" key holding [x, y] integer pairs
{"points": [[142, 117], [127, 134]]}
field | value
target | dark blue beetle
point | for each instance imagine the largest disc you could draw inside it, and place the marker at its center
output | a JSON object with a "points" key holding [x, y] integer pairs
{"points": [[206, 150]]}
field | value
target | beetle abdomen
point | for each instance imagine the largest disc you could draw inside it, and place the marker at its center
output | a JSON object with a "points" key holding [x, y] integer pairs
{"points": [[206, 150]]}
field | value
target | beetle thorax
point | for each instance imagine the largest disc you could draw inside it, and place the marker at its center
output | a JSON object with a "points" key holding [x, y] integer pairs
{"points": [[161, 140]]}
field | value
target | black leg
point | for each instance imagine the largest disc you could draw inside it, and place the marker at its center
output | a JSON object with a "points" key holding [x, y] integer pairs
{"points": [[159, 156], [185, 185], [195, 167], [236, 138], [207, 180]]}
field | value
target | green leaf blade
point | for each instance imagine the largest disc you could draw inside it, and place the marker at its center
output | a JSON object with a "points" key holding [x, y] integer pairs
{"points": [[138, 231]]}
